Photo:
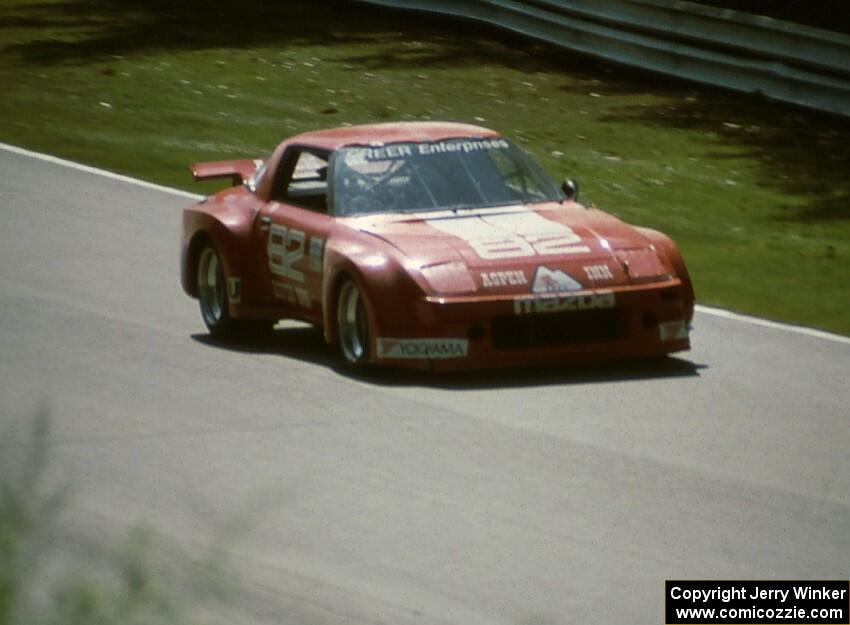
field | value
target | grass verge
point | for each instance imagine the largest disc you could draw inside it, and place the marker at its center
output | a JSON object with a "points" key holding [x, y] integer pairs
{"points": [[756, 193]]}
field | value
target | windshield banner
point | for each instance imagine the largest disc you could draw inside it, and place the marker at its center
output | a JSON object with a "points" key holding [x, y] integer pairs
{"points": [[402, 150]]}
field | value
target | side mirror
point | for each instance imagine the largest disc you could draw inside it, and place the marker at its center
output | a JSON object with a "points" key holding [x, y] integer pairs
{"points": [[570, 189]]}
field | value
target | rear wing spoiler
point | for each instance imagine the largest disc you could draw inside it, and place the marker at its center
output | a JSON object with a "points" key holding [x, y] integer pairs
{"points": [[238, 171]]}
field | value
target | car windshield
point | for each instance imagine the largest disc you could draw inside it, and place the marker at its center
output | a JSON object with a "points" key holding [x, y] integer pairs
{"points": [[451, 174]]}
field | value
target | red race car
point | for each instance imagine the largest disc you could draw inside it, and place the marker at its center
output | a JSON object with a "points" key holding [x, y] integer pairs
{"points": [[436, 245]]}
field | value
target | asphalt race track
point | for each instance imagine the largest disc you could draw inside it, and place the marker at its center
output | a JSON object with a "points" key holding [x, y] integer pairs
{"points": [[538, 497]]}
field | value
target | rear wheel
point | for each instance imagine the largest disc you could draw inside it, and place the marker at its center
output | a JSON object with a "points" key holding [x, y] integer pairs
{"points": [[352, 324], [212, 297]]}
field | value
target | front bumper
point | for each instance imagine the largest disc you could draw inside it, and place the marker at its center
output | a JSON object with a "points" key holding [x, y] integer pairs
{"points": [[472, 332]]}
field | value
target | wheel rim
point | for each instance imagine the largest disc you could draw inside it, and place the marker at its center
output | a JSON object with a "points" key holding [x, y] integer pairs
{"points": [[353, 324], [211, 287]]}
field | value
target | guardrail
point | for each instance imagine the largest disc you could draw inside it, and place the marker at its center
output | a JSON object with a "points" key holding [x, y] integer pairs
{"points": [[753, 54]]}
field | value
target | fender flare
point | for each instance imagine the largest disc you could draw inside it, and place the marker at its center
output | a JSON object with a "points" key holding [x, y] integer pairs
{"points": [[385, 286], [670, 251], [227, 244]]}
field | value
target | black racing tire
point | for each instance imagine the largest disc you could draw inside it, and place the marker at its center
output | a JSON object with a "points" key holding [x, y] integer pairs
{"points": [[212, 298], [352, 325]]}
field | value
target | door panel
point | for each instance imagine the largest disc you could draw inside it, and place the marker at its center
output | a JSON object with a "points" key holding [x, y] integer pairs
{"points": [[293, 245], [291, 230]]}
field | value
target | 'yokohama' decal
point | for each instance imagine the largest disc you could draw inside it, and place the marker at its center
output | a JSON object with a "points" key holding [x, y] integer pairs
{"points": [[422, 348]]}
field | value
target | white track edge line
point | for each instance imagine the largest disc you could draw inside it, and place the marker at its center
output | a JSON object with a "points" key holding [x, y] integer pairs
{"points": [[708, 310], [776, 325], [99, 172]]}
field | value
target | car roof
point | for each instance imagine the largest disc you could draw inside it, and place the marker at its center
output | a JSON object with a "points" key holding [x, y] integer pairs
{"points": [[366, 134]]}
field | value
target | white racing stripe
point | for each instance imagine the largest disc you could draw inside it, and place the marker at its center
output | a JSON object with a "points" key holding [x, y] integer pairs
{"points": [[519, 222], [528, 223], [518, 234], [708, 310], [468, 228]]}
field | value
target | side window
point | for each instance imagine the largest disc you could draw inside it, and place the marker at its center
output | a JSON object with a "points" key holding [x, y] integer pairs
{"points": [[307, 185]]}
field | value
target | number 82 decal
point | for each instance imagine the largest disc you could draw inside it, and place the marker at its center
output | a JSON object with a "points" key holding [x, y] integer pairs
{"points": [[283, 256]]}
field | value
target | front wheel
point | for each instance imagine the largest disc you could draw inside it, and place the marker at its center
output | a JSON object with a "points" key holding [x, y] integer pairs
{"points": [[352, 320]]}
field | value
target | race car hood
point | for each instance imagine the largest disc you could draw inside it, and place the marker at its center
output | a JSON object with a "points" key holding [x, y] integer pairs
{"points": [[552, 248]]}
